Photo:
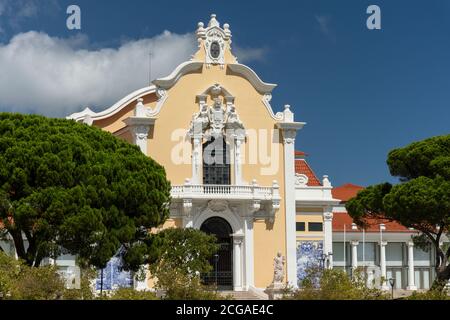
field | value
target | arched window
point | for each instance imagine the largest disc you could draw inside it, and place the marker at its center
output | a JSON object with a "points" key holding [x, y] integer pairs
{"points": [[216, 162]]}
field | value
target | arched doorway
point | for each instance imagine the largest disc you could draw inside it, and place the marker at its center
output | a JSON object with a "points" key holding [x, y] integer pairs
{"points": [[222, 263]]}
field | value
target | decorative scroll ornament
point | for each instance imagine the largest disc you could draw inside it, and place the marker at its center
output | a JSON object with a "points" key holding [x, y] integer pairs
{"points": [[289, 136], [328, 216], [301, 180]]}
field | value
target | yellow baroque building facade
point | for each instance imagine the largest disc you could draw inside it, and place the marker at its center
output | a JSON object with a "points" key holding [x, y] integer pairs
{"points": [[229, 157]]}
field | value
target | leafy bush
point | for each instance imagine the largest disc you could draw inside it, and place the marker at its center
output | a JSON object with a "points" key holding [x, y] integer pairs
{"points": [[429, 295], [334, 284], [10, 270], [43, 283], [184, 255], [131, 294], [21, 282], [179, 286]]}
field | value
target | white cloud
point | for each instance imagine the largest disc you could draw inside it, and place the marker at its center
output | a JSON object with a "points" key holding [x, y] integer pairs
{"points": [[250, 54], [14, 13], [324, 22], [28, 9], [55, 77]]}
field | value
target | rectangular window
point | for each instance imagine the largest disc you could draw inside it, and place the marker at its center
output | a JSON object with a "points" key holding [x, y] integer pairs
{"points": [[300, 226], [368, 253], [394, 253], [315, 226], [422, 255], [338, 251]]}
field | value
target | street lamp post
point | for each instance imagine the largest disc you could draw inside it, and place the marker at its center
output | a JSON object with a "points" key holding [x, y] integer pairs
{"points": [[392, 283], [216, 261], [382, 257], [101, 283]]}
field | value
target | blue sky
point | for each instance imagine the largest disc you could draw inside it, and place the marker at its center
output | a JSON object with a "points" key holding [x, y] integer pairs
{"points": [[361, 92]]}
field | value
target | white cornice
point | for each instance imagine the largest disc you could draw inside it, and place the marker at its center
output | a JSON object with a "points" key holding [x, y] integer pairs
{"points": [[184, 68], [291, 125], [119, 105], [252, 77], [315, 202]]}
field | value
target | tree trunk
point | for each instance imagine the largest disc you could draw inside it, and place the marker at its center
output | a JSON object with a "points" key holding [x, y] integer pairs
{"points": [[18, 243], [442, 276]]}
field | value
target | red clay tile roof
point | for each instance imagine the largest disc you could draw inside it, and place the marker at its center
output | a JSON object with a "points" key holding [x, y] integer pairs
{"points": [[346, 191], [300, 154], [342, 218], [302, 167]]}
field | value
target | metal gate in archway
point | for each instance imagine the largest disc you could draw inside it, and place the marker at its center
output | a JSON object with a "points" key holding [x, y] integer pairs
{"points": [[222, 263]]}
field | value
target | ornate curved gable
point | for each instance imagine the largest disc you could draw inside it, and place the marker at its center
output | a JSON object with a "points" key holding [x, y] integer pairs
{"points": [[214, 43]]}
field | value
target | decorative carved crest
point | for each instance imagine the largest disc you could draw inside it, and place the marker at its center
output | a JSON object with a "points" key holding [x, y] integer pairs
{"points": [[215, 41], [218, 205], [214, 120]]}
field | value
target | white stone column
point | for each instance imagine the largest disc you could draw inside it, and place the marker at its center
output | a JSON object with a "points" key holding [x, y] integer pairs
{"points": [[411, 285], [239, 139], [289, 131], [249, 277], [290, 207], [328, 236], [197, 157], [355, 254], [384, 285], [237, 262]]}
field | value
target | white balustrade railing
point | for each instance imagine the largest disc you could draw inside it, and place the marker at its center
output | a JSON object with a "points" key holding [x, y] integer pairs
{"points": [[224, 191]]}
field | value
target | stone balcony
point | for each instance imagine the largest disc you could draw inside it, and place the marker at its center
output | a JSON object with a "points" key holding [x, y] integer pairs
{"points": [[258, 198], [232, 192]]}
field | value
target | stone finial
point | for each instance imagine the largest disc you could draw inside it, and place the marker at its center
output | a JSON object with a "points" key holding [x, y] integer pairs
{"points": [[213, 22], [226, 29], [287, 114], [200, 31], [326, 182]]}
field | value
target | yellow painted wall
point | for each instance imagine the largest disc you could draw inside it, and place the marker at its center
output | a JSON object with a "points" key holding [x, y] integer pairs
{"points": [[305, 217]]}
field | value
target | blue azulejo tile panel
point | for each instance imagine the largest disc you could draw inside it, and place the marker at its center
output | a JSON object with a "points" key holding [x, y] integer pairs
{"points": [[309, 255], [113, 276]]}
